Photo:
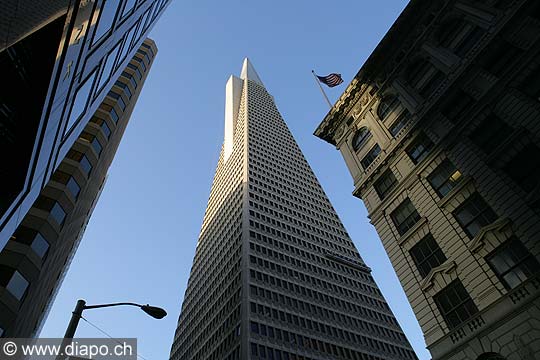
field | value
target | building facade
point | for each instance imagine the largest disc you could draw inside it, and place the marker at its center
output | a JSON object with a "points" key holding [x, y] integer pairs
{"points": [[275, 275], [38, 254], [58, 61], [440, 131]]}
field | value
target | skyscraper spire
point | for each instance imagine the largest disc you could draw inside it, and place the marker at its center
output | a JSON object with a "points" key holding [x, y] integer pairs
{"points": [[248, 72]]}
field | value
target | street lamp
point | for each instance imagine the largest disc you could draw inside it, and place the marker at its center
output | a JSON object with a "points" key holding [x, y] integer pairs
{"points": [[153, 311]]}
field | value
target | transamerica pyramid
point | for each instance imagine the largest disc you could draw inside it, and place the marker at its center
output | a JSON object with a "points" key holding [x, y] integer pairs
{"points": [[275, 275]]}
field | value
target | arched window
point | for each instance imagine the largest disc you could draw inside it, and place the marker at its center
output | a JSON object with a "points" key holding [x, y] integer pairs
{"points": [[424, 77], [387, 106], [458, 36], [360, 137]]}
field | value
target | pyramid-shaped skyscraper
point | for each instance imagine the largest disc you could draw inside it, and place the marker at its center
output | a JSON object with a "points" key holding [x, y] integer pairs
{"points": [[275, 275]]}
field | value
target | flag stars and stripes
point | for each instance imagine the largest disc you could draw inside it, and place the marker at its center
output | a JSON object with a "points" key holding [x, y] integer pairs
{"points": [[331, 80]]}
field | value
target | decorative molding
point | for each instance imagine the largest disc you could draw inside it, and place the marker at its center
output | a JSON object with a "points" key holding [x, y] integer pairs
{"points": [[465, 181], [478, 242], [447, 267]]}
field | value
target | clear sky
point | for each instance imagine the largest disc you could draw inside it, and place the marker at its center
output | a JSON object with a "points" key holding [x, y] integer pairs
{"points": [[141, 239]]}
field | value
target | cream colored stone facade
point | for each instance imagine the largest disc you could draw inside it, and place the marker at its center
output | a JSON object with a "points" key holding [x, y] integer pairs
{"points": [[466, 76]]}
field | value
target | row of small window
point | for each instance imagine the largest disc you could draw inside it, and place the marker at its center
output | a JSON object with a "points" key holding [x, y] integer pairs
{"points": [[259, 351], [11, 279], [511, 261], [296, 260], [308, 343], [349, 269], [417, 150], [316, 327], [316, 282], [302, 233], [329, 300], [472, 215]]}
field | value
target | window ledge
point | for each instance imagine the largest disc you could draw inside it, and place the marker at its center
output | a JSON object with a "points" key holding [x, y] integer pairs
{"points": [[423, 220], [463, 183], [446, 267], [478, 243]]}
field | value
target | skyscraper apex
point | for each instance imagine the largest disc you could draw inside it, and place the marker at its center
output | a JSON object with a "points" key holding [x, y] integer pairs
{"points": [[275, 275], [248, 72]]}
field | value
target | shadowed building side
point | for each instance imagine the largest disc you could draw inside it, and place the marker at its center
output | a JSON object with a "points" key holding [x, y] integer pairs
{"points": [[439, 130], [36, 258]]}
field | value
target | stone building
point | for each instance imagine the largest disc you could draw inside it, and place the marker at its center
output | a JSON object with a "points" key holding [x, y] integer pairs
{"points": [[440, 130]]}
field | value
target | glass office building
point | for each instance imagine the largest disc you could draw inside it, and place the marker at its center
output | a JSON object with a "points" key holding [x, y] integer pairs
{"points": [[58, 61], [38, 253], [275, 275]]}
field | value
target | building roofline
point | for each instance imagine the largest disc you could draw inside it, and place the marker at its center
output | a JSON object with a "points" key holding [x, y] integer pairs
{"points": [[399, 30]]}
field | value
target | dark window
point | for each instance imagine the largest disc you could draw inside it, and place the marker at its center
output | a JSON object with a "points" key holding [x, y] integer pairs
{"points": [[118, 99], [370, 156], [490, 133], [106, 129], [424, 77], [524, 168], [73, 187], [58, 213], [405, 216], [400, 123], [474, 214], [39, 245], [17, 285], [254, 348], [531, 85], [360, 137], [125, 88], [114, 115], [385, 183], [419, 148], [96, 145], [82, 159], [512, 263], [387, 106], [68, 180], [427, 254], [499, 56], [85, 165], [455, 304], [444, 178], [459, 36], [457, 106]]}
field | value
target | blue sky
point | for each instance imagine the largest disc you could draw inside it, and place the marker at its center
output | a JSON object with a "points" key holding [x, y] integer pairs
{"points": [[141, 238]]}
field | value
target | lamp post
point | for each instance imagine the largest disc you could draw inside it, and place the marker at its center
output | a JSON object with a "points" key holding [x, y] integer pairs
{"points": [[153, 311]]}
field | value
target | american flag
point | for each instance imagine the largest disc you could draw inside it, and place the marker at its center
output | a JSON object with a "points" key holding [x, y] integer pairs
{"points": [[331, 80]]}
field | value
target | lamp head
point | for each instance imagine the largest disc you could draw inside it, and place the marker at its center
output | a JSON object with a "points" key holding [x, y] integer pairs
{"points": [[153, 311]]}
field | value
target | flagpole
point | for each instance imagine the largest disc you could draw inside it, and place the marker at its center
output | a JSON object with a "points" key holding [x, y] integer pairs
{"points": [[322, 90]]}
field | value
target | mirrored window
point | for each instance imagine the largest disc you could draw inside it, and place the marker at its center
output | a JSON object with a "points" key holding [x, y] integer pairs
{"points": [[80, 102], [105, 12]]}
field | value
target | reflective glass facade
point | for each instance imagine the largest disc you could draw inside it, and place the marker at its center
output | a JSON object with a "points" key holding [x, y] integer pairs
{"points": [[71, 63]]}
